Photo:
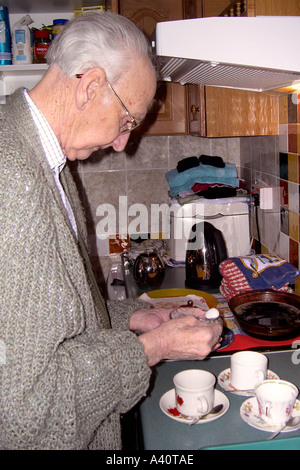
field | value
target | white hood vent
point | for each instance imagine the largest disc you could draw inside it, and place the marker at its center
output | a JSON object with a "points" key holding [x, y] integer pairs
{"points": [[258, 53]]}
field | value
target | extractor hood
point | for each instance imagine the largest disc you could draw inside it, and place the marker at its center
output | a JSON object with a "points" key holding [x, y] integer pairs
{"points": [[257, 53]]}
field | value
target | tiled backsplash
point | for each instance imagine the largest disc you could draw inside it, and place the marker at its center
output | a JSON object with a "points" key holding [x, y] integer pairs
{"points": [[139, 174], [274, 161]]}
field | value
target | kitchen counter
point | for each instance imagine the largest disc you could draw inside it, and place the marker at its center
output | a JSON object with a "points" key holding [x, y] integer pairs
{"points": [[229, 431], [173, 278], [159, 431]]}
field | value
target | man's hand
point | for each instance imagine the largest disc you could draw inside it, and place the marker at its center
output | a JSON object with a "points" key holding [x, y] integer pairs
{"points": [[144, 320], [183, 338]]}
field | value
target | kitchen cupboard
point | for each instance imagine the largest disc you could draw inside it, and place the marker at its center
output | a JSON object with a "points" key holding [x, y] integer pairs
{"points": [[277, 7], [225, 112], [168, 114], [177, 109], [169, 110], [55, 6], [261, 8], [198, 110], [192, 9], [221, 112], [213, 7]]}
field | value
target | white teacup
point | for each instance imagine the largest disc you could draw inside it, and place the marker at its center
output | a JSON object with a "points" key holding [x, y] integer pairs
{"points": [[276, 399], [247, 369], [194, 390]]}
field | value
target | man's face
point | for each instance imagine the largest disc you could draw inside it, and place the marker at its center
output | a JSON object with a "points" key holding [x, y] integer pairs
{"points": [[98, 125]]}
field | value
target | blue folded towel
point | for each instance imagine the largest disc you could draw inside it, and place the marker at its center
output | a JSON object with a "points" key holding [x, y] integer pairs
{"points": [[259, 271], [180, 182]]}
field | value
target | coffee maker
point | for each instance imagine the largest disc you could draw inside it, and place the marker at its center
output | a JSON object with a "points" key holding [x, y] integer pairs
{"points": [[231, 237], [206, 249]]}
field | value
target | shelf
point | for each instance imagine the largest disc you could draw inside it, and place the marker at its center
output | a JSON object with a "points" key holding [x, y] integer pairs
{"points": [[16, 76], [21, 69], [47, 6]]}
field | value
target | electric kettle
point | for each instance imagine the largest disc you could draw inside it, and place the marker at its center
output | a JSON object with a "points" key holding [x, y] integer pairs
{"points": [[206, 249], [148, 269]]}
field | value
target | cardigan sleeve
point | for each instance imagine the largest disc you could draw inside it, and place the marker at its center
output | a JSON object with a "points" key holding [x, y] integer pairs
{"points": [[120, 311]]}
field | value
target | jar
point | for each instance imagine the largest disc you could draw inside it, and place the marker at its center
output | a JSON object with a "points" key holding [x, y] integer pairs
{"points": [[57, 27], [40, 46]]}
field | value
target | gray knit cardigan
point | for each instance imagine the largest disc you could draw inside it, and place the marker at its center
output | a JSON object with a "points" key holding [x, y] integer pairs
{"points": [[66, 375]]}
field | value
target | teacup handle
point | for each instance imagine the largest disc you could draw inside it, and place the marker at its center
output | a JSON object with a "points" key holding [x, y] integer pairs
{"points": [[204, 404], [268, 408], [260, 375]]}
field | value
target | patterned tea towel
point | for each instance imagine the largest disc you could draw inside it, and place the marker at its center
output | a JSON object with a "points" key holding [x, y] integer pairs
{"points": [[256, 272]]}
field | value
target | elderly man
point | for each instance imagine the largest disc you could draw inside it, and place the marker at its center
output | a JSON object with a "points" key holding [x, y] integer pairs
{"points": [[71, 366]]}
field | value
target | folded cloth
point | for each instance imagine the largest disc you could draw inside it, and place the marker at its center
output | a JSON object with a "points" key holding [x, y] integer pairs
{"points": [[186, 163], [197, 187], [214, 161], [184, 181], [228, 291], [217, 192], [256, 272]]}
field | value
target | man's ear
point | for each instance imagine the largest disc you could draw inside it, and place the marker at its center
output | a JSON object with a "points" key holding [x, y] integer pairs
{"points": [[90, 84]]}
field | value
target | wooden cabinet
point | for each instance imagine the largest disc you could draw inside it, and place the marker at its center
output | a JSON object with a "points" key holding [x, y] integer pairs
{"points": [[192, 9], [199, 110], [222, 112], [146, 13], [261, 8], [168, 115], [214, 7], [225, 112], [277, 7], [181, 109]]}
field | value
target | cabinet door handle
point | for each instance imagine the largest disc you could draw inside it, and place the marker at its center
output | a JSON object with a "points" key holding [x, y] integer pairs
{"points": [[194, 109]]}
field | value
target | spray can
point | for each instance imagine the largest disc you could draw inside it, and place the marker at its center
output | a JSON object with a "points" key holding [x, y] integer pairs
{"points": [[21, 41], [5, 37], [57, 27]]}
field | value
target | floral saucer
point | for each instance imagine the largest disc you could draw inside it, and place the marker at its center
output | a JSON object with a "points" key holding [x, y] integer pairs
{"points": [[168, 406], [224, 382], [250, 414]]}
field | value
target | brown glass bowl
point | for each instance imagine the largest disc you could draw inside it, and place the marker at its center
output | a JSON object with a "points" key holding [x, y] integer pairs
{"points": [[267, 314]]}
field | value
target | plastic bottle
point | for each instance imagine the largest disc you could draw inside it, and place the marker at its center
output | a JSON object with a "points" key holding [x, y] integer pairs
{"points": [[57, 27], [21, 41], [40, 46], [5, 37]]}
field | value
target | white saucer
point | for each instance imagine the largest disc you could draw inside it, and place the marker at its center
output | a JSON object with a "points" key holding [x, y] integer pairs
{"points": [[250, 414], [167, 405], [224, 382]]}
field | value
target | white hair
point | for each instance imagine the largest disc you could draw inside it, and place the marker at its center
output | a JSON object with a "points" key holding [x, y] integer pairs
{"points": [[104, 40]]}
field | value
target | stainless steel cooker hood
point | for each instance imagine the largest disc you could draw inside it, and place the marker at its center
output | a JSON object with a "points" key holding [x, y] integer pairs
{"points": [[257, 53]]}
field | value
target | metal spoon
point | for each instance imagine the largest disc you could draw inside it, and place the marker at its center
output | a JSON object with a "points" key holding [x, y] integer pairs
{"points": [[216, 409], [250, 392], [293, 422]]}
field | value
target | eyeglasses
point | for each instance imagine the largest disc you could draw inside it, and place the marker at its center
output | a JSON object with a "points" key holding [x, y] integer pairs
{"points": [[130, 125]]}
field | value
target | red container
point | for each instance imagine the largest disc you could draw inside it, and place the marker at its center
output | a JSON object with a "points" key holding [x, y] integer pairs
{"points": [[41, 45]]}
